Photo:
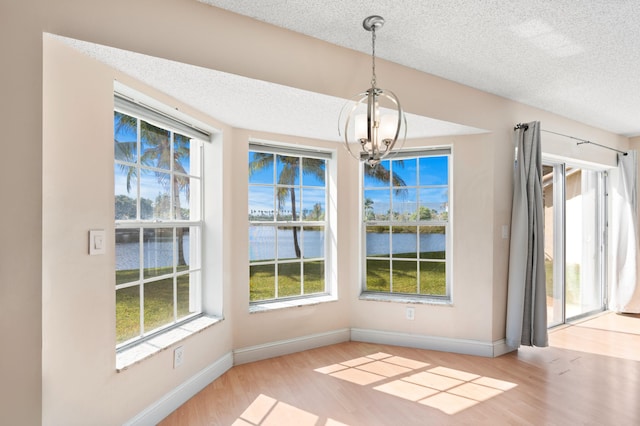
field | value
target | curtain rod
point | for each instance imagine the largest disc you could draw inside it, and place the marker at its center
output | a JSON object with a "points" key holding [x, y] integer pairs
{"points": [[581, 141]]}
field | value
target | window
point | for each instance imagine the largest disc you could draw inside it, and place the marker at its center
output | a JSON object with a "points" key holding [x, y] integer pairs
{"points": [[406, 207], [158, 202], [287, 223]]}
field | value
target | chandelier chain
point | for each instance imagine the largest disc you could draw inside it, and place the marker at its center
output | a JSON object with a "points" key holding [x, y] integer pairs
{"points": [[373, 131], [373, 57]]}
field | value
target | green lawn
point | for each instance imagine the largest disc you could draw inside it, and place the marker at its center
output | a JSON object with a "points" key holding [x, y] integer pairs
{"points": [[572, 279], [158, 295], [405, 276], [262, 280], [158, 304]]}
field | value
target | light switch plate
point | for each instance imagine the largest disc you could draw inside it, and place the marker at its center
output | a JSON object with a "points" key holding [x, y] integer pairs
{"points": [[97, 242]]}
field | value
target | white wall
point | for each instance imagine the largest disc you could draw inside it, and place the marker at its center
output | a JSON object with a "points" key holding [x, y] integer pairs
{"points": [[57, 145]]}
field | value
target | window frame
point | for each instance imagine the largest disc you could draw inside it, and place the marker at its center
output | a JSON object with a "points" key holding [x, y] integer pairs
{"points": [[282, 149], [141, 112], [366, 294]]}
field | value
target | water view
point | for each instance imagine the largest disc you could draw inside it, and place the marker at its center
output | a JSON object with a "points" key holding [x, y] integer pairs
{"points": [[264, 243], [157, 253], [263, 246]]}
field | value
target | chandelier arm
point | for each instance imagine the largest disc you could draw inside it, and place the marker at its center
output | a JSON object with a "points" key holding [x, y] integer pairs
{"points": [[372, 131], [393, 98], [357, 100], [402, 119]]}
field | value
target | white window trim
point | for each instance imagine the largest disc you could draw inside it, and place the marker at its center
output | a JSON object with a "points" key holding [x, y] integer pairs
{"points": [[210, 313], [448, 299], [146, 348]]}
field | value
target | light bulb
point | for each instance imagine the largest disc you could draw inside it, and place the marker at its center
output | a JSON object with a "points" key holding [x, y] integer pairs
{"points": [[360, 127], [388, 125]]}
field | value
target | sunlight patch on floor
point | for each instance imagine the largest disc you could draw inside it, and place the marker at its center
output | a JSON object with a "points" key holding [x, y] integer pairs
{"points": [[267, 411], [610, 334], [442, 388]]}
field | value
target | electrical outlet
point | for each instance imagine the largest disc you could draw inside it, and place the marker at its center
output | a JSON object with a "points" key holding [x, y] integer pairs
{"points": [[178, 356], [411, 313]]}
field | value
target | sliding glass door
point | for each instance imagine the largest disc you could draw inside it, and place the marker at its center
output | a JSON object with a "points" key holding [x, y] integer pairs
{"points": [[553, 198], [574, 200]]}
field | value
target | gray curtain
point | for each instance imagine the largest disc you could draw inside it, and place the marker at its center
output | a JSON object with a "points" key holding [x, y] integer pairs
{"points": [[526, 299], [624, 227]]}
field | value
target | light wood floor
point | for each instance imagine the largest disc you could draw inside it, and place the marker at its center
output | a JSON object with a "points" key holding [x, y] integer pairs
{"points": [[590, 375]]}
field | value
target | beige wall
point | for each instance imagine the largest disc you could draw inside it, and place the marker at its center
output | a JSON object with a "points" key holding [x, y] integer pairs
{"points": [[78, 299], [470, 316], [57, 303], [251, 329]]}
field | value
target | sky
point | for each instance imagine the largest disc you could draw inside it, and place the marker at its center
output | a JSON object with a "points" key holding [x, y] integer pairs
{"points": [[150, 180], [426, 182]]}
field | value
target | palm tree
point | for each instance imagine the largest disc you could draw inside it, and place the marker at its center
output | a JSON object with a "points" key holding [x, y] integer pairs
{"points": [[291, 169], [368, 208], [126, 150], [286, 180], [316, 213], [157, 154], [380, 173]]}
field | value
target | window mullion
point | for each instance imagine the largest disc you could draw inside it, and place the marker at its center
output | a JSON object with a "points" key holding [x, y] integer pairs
{"points": [[391, 218], [276, 266], [301, 254], [172, 183], [301, 276], [141, 275], [300, 201], [138, 164], [175, 271]]}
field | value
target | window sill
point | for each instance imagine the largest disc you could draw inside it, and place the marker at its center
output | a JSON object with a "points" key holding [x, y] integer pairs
{"points": [[293, 303], [404, 298], [137, 353]]}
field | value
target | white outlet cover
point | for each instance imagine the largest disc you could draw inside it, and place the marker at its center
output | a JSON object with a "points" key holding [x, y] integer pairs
{"points": [[178, 356], [411, 312]]}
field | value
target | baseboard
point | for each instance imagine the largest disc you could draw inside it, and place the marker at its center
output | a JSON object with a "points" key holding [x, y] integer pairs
{"points": [[461, 346], [500, 347], [164, 406], [285, 347], [160, 409]]}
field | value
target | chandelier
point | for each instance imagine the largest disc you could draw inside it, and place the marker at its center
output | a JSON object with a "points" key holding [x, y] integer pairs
{"points": [[372, 129]]}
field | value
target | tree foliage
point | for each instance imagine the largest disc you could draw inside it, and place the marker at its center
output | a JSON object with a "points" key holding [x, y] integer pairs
{"points": [[156, 152], [288, 174]]}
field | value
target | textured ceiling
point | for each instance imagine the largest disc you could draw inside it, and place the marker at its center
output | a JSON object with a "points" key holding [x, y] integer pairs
{"points": [[578, 59], [246, 103]]}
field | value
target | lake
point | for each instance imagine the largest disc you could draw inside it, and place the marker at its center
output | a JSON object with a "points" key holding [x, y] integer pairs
{"points": [[263, 246], [157, 253], [263, 243]]}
